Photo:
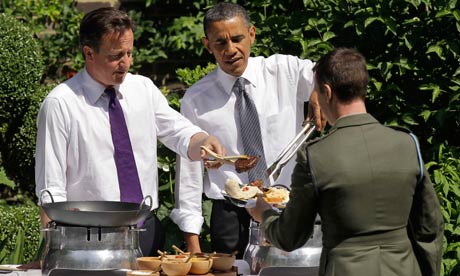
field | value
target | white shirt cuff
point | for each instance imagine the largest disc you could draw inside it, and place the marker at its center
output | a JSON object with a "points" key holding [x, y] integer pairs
{"points": [[186, 221]]}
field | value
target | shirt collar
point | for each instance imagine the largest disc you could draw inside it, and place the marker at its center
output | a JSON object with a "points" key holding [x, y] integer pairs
{"points": [[92, 89], [354, 120], [227, 81]]}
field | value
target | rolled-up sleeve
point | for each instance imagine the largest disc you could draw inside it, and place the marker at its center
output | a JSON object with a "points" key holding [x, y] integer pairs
{"points": [[50, 154], [187, 212]]}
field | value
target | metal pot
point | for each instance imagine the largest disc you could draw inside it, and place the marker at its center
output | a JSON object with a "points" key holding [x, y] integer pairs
{"points": [[96, 213], [260, 254], [89, 248]]}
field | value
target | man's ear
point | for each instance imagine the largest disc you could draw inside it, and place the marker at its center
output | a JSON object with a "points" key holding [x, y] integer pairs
{"points": [[87, 52], [329, 94], [252, 34], [205, 42]]}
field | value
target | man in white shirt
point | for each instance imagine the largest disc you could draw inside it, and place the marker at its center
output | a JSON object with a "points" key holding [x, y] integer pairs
{"points": [[278, 85], [75, 153]]}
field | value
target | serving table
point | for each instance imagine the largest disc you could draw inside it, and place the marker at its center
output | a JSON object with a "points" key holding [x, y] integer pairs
{"points": [[240, 265]]}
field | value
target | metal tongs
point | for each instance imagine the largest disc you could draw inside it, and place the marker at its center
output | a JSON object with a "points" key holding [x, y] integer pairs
{"points": [[274, 169]]}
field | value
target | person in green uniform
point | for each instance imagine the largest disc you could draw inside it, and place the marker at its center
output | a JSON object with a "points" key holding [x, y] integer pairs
{"points": [[379, 211]]}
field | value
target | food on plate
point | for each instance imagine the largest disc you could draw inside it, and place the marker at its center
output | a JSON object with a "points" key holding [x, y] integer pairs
{"points": [[244, 165], [233, 189], [275, 195], [272, 195]]}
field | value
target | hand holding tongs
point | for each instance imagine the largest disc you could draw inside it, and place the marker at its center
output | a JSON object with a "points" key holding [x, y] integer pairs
{"points": [[274, 169]]}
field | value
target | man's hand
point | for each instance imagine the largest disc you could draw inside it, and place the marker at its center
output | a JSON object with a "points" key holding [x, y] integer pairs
{"points": [[202, 139], [261, 206], [314, 111], [44, 219]]}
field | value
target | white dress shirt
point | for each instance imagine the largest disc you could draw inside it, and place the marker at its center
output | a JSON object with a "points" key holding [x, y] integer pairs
{"points": [[75, 153], [279, 86]]}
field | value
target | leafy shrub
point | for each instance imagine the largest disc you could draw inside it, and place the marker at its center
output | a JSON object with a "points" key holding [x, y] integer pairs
{"points": [[18, 150], [20, 234], [56, 24], [445, 173], [190, 76], [20, 70]]}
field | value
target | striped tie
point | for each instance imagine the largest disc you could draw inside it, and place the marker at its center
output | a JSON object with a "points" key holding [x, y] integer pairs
{"points": [[250, 131]]}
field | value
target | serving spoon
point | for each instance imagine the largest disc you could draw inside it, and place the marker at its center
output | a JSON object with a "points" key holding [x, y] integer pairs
{"points": [[162, 254], [190, 257], [178, 250], [242, 163], [231, 159]]}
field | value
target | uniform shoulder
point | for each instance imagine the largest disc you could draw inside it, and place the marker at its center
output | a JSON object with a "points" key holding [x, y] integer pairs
{"points": [[321, 137], [318, 138], [399, 128]]}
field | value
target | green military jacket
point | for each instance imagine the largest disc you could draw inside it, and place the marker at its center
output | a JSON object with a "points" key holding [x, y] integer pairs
{"points": [[380, 215]]}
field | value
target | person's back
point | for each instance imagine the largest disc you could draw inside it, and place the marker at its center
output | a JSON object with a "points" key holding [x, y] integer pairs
{"points": [[374, 166], [366, 203]]}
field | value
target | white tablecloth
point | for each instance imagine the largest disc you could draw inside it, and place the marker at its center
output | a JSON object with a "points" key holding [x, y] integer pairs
{"points": [[243, 268], [30, 272]]}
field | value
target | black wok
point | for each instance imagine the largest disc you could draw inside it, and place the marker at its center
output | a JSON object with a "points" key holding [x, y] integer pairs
{"points": [[97, 213]]}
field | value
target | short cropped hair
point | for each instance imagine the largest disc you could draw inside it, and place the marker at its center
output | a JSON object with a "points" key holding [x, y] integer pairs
{"points": [[344, 70], [224, 11], [100, 22]]}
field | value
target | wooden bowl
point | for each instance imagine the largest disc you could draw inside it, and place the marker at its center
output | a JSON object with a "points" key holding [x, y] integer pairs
{"points": [[223, 262], [175, 268], [200, 265], [149, 263]]}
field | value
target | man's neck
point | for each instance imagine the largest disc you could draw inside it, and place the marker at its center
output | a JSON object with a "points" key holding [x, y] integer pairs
{"points": [[355, 107]]}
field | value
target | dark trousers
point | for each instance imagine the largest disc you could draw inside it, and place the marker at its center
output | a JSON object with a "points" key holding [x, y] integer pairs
{"points": [[229, 228], [153, 238]]}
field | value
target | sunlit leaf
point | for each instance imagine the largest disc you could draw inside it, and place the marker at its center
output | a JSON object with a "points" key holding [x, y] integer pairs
{"points": [[407, 118], [391, 25], [426, 114], [443, 13], [369, 21], [456, 14], [437, 50], [328, 35], [407, 43]]}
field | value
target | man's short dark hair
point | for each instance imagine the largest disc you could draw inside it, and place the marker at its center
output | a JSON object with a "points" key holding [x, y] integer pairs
{"points": [[100, 22], [224, 11], [344, 70]]}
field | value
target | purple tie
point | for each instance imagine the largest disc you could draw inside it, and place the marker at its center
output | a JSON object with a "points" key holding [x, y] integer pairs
{"points": [[128, 179]]}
